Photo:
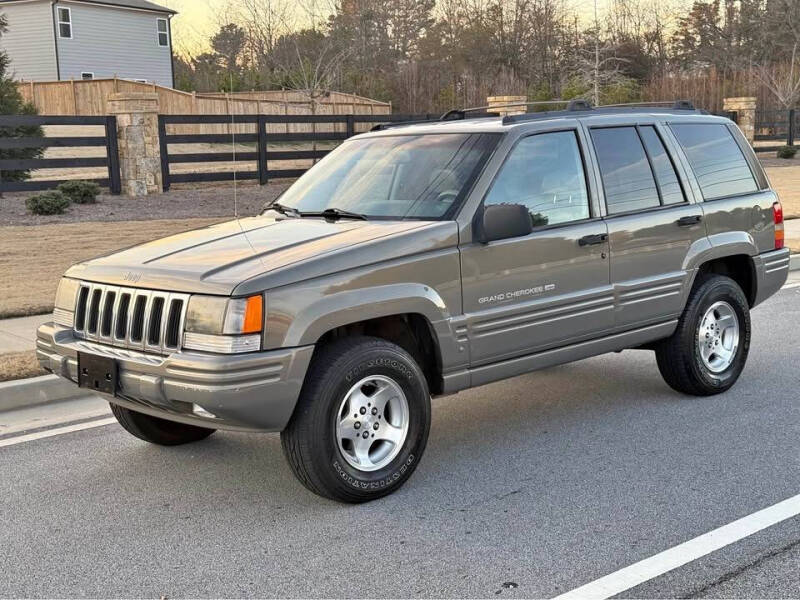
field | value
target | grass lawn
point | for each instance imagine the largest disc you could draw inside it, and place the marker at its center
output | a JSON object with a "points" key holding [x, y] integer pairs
{"points": [[33, 258], [19, 365]]}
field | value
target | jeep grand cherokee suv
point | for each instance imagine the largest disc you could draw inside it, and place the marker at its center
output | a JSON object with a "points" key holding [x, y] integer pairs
{"points": [[426, 259]]}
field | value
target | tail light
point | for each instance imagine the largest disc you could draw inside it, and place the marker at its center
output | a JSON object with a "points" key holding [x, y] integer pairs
{"points": [[777, 217]]}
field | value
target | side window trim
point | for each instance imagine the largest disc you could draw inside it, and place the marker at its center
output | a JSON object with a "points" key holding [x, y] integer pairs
{"points": [[652, 166], [579, 142], [669, 150]]}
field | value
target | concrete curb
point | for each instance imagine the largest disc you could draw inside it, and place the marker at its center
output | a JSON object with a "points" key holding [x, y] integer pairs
{"points": [[24, 393], [794, 262]]}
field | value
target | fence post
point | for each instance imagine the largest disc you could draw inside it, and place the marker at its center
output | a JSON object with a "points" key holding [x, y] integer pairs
{"points": [[790, 137], [351, 126], [112, 155], [263, 173], [162, 144]]}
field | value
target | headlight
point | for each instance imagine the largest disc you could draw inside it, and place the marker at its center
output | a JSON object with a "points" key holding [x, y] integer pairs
{"points": [[224, 325], [64, 311]]}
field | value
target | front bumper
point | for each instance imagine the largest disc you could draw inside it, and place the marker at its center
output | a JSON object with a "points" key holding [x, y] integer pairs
{"points": [[252, 392], [772, 269]]}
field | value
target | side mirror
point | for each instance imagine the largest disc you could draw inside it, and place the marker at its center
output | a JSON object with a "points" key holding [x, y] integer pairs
{"points": [[503, 221]]}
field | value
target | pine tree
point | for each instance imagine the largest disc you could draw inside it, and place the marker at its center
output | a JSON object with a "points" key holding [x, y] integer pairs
{"points": [[12, 103]]}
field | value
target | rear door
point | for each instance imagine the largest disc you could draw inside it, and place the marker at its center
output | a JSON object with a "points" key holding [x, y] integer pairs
{"points": [[652, 221], [550, 287]]}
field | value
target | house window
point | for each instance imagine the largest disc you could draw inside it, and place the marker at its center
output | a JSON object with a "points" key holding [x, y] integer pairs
{"points": [[64, 22], [87, 75], [163, 32]]}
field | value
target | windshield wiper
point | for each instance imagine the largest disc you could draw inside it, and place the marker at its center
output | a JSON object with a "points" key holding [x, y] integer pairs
{"points": [[338, 213], [284, 210]]}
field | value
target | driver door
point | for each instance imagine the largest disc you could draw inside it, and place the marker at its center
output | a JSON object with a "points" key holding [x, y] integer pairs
{"points": [[549, 288]]}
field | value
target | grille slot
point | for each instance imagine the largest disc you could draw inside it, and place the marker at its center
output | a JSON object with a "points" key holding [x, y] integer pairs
{"points": [[80, 309], [137, 325], [173, 333], [132, 318], [108, 314], [94, 311], [122, 316], [154, 328]]}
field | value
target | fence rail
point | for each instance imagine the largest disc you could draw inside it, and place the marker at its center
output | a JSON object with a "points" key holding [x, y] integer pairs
{"points": [[10, 141], [262, 138]]}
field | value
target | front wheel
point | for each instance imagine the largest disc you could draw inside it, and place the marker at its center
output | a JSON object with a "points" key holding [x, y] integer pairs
{"points": [[361, 422], [708, 350]]}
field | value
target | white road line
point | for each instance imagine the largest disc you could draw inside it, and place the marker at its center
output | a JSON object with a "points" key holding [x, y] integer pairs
{"points": [[684, 553], [20, 439]]}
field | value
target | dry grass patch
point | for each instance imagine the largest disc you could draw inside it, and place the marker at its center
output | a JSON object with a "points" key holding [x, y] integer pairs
{"points": [[33, 258], [19, 365]]}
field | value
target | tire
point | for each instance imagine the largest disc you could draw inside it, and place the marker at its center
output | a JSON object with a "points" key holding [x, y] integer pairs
{"points": [[322, 442], [158, 431], [680, 357]]}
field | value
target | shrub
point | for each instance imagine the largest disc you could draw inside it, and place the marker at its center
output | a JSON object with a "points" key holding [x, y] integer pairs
{"points": [[80, 192], [787, 151], [47, 203]]}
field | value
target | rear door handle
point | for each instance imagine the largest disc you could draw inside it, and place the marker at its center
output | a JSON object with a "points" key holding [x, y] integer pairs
{"points": [[690, 220], [591, 240]]}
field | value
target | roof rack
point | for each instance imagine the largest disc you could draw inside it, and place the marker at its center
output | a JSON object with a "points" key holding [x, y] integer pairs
{"points": [[584, 105], [450, 115]]}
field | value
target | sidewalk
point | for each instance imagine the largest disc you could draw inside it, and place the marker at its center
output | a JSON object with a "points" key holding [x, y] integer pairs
{"points": [[792, 232], [19, 335]]}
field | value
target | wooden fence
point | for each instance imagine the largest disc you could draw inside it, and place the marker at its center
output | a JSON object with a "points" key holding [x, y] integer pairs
{"points": [[260, 135], [108, 140], [88, 97]]}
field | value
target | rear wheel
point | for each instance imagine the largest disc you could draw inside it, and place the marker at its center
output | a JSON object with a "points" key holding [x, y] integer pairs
{"points": [[158, 431], [361, 422], [708, 350]]}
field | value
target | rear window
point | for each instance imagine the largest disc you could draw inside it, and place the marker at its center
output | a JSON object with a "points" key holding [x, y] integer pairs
{"points": [[716, 159]]}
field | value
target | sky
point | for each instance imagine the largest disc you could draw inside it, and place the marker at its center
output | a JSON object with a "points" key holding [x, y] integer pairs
{"points": [[197, 20]]}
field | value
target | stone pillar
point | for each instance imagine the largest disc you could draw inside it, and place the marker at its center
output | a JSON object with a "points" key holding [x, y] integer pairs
{"points": [[137, 137], [745, 109], [505, 105]]}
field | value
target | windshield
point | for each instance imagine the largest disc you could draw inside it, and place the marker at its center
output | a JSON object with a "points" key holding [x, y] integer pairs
{"points": [[402, 176]]}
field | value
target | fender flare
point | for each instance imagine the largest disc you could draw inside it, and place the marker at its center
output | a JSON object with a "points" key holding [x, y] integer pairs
{"points": [[343, 308]]}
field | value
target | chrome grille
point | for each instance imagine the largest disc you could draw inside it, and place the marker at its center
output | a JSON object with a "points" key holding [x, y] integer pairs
{"points": [[146, 320]]}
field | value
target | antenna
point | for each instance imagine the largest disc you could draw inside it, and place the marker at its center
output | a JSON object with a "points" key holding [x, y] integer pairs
{"points": [[233, 148]]}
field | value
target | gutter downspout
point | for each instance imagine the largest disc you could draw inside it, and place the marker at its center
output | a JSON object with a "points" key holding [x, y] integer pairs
{"points": [[55, 37], [171, 55]]}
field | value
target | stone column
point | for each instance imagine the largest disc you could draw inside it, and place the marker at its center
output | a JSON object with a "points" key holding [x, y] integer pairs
{"points": [[137, 137], [745, 109], [505, 105]]}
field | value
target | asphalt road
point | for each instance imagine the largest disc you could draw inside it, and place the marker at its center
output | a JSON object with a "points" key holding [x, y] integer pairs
{"points": [[529, 488]]}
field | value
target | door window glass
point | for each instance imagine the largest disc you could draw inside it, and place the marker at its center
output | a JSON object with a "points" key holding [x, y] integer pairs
{"points": [[671, 192], [627, 178], [716, 159], [544, 172]]}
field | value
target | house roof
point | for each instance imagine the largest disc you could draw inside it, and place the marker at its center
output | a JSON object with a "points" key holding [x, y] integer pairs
{"points": [[140, 4]]}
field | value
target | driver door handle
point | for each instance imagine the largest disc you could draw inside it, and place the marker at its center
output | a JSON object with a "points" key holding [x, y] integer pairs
{"points": [[591, 240]]}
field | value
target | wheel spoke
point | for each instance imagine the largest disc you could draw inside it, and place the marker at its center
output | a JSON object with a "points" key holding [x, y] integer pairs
{"points": [[361, 448], [347, 427], [382, 396], [390, 433]]}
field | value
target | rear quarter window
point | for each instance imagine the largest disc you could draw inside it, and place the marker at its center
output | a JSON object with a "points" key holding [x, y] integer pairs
{"points": [[716, 159]]}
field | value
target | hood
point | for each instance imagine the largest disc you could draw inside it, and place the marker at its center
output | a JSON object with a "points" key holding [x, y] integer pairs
{"points": [[215, 259]]}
